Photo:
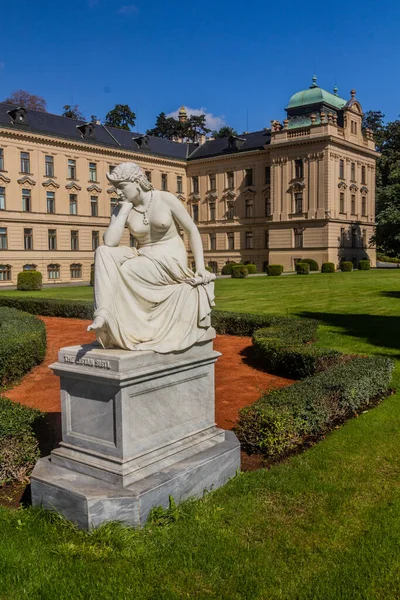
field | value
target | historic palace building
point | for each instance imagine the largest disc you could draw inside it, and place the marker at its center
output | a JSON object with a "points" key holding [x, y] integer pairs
{"points": [[304, 188]]}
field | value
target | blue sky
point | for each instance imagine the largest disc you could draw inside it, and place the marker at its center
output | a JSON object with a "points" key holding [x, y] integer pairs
{"points": [[239, 61]]}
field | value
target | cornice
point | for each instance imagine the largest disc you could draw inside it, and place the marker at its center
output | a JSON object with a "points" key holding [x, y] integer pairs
{"points": [[227, 157], [306, 141], [4, 179]]}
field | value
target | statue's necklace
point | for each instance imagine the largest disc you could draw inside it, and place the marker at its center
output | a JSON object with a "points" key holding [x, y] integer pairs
{"points": [[144, 212]]}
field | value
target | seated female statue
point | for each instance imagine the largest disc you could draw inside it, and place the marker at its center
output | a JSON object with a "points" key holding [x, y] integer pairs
{"points": [[147, 298]]}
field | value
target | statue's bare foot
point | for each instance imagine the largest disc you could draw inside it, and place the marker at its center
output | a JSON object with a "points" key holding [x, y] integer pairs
{"points": [[98, 323]]}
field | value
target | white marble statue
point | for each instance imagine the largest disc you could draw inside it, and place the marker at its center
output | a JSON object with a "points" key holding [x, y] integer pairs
{"points": [[147, 298]]}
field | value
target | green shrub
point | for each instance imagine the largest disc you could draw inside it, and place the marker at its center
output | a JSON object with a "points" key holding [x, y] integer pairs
{"points": [[274, 270], [251, 268], [284, 419], [328, 267], [313, 263], [364, 265], [22, 344], [239, 272], [18, 445], [29, 280], [346, 266], [209, 269], [246, 324], [390, 259], [91, 282], [71, 309], [302, 268], [227, 269]]}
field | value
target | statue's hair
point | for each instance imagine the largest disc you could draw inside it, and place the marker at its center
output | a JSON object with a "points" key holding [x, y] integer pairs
{"points": [[129, 171]]}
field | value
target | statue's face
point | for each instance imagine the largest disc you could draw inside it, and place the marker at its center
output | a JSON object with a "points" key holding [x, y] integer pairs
{"points": [[128, 190]]}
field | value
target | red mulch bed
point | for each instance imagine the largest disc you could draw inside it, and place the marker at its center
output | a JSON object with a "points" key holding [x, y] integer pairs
{"points": [[237, 382]]}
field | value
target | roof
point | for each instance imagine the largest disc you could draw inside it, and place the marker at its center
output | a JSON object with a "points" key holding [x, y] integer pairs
{"points": [[315, 95], [221, 146]]}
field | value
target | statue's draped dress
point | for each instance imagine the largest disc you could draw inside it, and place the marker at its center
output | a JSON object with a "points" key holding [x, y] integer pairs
{"points": [[145, 299]]}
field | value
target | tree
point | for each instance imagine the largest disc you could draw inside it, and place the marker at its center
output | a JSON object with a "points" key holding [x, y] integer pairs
{"points": [[195, 127], [27, 100], [387, 233], [165, 127], [121, 116], [224, 132], [173, 129], [73, 112], [374, 120]]}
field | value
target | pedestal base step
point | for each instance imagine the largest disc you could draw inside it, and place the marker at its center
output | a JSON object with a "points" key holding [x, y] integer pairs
{"points": [[89, 501]]}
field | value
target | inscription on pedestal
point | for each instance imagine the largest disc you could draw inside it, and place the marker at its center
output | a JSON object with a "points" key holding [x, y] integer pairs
{"points": [[96, 363]]}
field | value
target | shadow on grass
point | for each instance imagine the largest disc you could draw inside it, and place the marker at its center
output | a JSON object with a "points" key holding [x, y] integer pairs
{"points": [[376, 329], [395, 294]]}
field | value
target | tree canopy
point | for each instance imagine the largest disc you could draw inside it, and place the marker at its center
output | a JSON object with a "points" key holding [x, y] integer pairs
{"points": [[121, 116], [27, 100], [224, 132], [173, 129], [73, 112]]}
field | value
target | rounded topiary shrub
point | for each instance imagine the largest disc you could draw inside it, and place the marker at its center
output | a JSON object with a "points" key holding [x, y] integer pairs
{"points": [[209, 269], [227, 269], [364, 265], [346, 266], [328, 267], [302, 268], [274, 270], [251, 268], [29, 280], [239, 272], [313, 263]]}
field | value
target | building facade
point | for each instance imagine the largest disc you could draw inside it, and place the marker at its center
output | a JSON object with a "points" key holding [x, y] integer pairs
{"points": [[304, 188]]}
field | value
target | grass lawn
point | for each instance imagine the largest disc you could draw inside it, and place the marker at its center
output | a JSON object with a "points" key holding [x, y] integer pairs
{"points": [[321, 525]]}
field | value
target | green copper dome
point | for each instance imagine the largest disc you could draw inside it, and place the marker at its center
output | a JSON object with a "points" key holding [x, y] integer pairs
{"points": [[315, 95]]}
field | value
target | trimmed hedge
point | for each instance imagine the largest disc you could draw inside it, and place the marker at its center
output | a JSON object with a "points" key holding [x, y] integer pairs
{"points": [[328, 267], [346, 266], [209, 269], [313, 263], [245, 324], [274, 270], [73, 309], [239, 272], [22, 344], [383, 258], [91, 282], [302, 268], [19, 449], [364, 265], [29, 280], [282, 420], [251, 268], [227, 269]]}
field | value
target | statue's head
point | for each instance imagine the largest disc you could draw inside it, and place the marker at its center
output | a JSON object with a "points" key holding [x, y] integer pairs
{"points": [[129, 172]]}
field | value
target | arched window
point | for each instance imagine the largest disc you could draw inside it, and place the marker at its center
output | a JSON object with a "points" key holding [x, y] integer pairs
{"points": [[29, 268], [213, 266], [76, 271], [53, 271], [5, 272]]}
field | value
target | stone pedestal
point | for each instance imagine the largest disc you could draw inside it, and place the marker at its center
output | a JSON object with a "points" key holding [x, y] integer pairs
{"points": [[137, 428]]}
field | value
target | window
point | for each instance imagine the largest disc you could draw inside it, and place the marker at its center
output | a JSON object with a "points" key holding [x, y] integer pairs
{"points": [[342, 237], [353, 127], [26, 200], [230, 184], [76, 271], [249, 208], [353, 171], [52, 238], [73, 204], [132, 241], [179, 187], [25, 162], [2, 198], [341, 169], [230, 213], [268, 175], [195, 185], [363, 206], [298, 238], [363, 175], [28, 239], [3, 238], [53, 271], [341, 202], [248, 177], [268, 206], [49, 166], [29, 268], [298, 203], [113, 204], [267, 238], [353, 237], [213, 182], [5, 272], [95, 240], [1, 159], [195, 213], [213, 241], [299, 168], [71, 169], [231, 240], [93, 171], [94, 206], [249, 240], [148, 175], [213, 266], [353, 204], [364, 238], [164, 182], [74, 240], [212, 211], [51, 202]]}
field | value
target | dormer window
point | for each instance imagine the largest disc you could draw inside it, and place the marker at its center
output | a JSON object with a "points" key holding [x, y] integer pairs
{"points": [[142, 141], [87, 130], [18, 116], [234, 142]]}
